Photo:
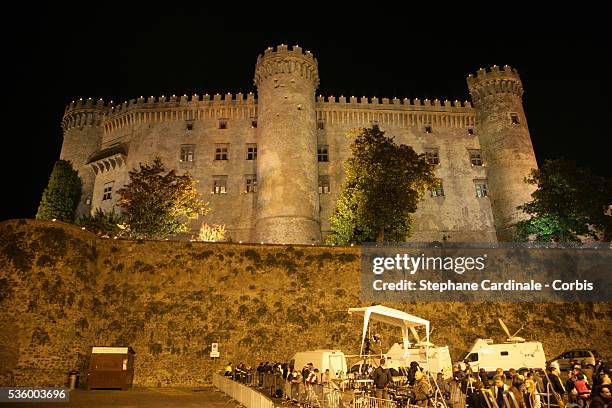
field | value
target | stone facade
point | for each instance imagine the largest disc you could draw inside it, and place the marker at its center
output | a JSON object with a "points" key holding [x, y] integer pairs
{"points": [[292, 145], [64, 290]]}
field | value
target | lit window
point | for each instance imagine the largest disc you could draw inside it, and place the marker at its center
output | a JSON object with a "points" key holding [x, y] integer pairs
{"points": [[251, 152], [470, 131], [428, 129], [251, 183], [439, 190], [322, 153], [222, 123], [515, 118], [432, 156], [221, 152], [187, 153], [219, 185], [320, 125], [323, 184], [108, 191], [482, 189], [475, 158]]}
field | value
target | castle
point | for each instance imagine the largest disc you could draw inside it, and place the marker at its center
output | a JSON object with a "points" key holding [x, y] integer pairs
{"points": [[272, 167]]}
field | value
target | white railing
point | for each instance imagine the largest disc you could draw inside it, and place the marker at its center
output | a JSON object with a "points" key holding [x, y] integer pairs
{"points": [[246, 396]]}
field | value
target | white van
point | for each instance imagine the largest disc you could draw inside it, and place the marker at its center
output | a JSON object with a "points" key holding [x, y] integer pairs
{"points": [[334, 360], [518, 355]]}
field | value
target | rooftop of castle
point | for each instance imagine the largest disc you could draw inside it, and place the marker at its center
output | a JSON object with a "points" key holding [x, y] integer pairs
{"points": [[494, 72], [284, 50]]}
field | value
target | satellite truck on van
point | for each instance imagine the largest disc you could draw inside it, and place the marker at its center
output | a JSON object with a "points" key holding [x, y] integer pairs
{"points": [[334, 360], [514, 353]]}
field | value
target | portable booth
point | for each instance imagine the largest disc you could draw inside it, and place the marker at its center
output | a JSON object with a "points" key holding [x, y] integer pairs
{"points": [[111, 367], [392, 317]]}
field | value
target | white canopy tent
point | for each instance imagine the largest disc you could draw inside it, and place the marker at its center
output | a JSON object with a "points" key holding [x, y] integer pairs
{"points": [[393, 317]]}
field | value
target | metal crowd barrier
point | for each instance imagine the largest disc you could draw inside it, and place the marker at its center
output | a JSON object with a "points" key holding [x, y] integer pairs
{"points": [[365, 401], [246, 396]]}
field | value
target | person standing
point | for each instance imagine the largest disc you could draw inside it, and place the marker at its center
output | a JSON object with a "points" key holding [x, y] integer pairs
{"points": [[498, 389], [228, 371], [457, 387], [477, 398], [422, 389], [603, 399], [382, 379]]}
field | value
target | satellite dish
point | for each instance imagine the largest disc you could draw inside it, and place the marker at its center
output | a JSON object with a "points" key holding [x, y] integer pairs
{"points": [[512, 338]]}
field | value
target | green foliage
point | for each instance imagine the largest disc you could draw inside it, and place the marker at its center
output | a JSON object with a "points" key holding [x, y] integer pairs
{"points": [[157, 204], [61, 197], [569, 202], [383, 185], [102, 223]]}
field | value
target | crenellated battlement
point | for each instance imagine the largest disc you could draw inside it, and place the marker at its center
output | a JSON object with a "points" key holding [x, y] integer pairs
{"points": [[396, 103], [194, 107], [88, 103], [404, 112], [284, 51], [84, 112], [283, 60], [493, 72], [112, 116], [495, 80], [184, 101]]}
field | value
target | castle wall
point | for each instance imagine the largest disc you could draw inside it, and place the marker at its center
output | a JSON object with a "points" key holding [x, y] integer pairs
{"points": [[159, 128], [290, 124], [62, 291], [458, 215]]}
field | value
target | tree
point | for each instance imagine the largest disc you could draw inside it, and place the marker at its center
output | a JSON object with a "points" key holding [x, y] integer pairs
{"points": [[569, 202], [61, 197], [155, 205], [384, 182], [102, 223], [212, 233]]}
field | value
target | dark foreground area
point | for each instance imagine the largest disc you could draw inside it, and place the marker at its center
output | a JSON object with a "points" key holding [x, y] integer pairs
{"points": [[140, 397]]}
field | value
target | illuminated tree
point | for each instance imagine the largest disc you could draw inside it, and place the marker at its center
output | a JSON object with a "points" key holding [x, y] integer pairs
{"points": [[384, 182], [212, 233], [569, 202], [61, 197], [156, 204]]}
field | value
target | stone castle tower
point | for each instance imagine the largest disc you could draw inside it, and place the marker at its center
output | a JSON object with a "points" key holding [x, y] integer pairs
{"points": [[505, 142], [272, 167], [287, 169]]}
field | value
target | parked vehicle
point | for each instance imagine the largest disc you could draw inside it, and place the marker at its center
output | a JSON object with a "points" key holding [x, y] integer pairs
{"points": [[585, 357], [514, 353], [334, 360]]}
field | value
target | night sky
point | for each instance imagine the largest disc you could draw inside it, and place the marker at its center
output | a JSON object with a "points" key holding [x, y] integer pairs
{"points": [[117, 52]]}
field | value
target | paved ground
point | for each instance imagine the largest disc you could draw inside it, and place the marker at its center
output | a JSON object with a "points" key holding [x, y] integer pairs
{"points": [[141, 397]]}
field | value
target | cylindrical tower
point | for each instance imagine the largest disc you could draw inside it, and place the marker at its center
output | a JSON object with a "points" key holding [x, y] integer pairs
{"points": [[287, 172], [505, 143], [82, 137]]}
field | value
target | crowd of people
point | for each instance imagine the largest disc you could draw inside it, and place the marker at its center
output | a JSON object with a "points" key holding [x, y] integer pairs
{"points": [[280, 380], [527, 389], [465, 388]]}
